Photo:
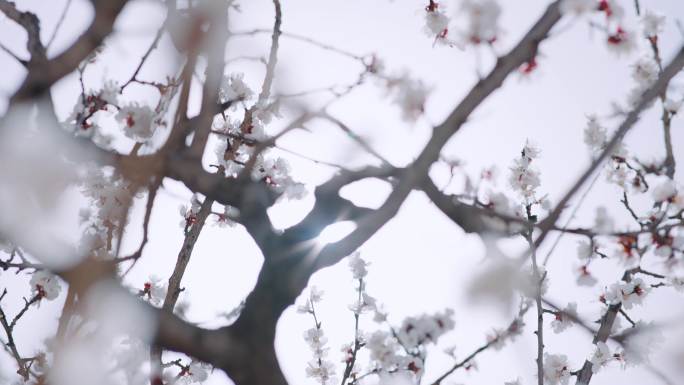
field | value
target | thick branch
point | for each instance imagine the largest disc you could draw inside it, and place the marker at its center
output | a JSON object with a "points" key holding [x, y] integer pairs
{"points": [[42, 76]]}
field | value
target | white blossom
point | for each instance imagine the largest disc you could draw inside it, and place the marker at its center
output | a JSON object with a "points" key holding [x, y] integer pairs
{"points": [[622, 41], [137, 121], [318, 368], [577, 7], [603, 222], [436, 20], [500, 203], [595, 136], [130, 356], [189, 213], [628, 293], [677, 201], [410, 95], [275, 172], [672, 106], [482, 18], [197, 372], [154, 290], [584, 250], [322, 371], [316, 340], [44, 285], [379, 316], [612, 9], [529, 283], [265, 111], [584, 276], [524, 178], [564, 318], [315, 296], [423, 329], [645, 71], [233, 89], [228, 217], [110, 92], [367, 303], [556, 369], [653, 23], [357, 266], [664, 191], [383, 350], [600, 357]]}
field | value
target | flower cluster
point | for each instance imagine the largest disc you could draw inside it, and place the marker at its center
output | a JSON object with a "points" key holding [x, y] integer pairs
{"points": [[319, 368], [275, 172], [400, 350], [479, 18], [524, 178], [111, 195], [415, 331], [628, 293]]}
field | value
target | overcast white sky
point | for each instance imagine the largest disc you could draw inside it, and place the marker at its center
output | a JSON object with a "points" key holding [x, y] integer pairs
{"points": [[421, 262]]}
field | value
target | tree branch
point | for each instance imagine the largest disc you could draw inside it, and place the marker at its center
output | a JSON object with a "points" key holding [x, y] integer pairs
{"points": [[42, 76]]}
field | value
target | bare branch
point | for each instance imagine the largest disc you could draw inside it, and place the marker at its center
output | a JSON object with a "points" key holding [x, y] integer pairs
{"points": [[58, 25], [42, 75]]}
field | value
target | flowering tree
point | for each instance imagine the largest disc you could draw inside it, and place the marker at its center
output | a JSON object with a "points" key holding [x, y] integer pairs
{"points": [[212, 130]]}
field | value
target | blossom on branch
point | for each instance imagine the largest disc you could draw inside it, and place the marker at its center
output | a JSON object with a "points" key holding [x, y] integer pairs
{"points": [[44, 285]]}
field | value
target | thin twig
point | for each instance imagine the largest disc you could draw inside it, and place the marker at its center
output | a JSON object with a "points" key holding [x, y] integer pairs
{"points": [[58, 25], [273, 54], [21, 61], [570, 218], [153, 45], [305, 39], [538, 280], [510, 331]]}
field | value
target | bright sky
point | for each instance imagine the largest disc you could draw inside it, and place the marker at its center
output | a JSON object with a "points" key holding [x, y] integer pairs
{"points": [[420, 262]]}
